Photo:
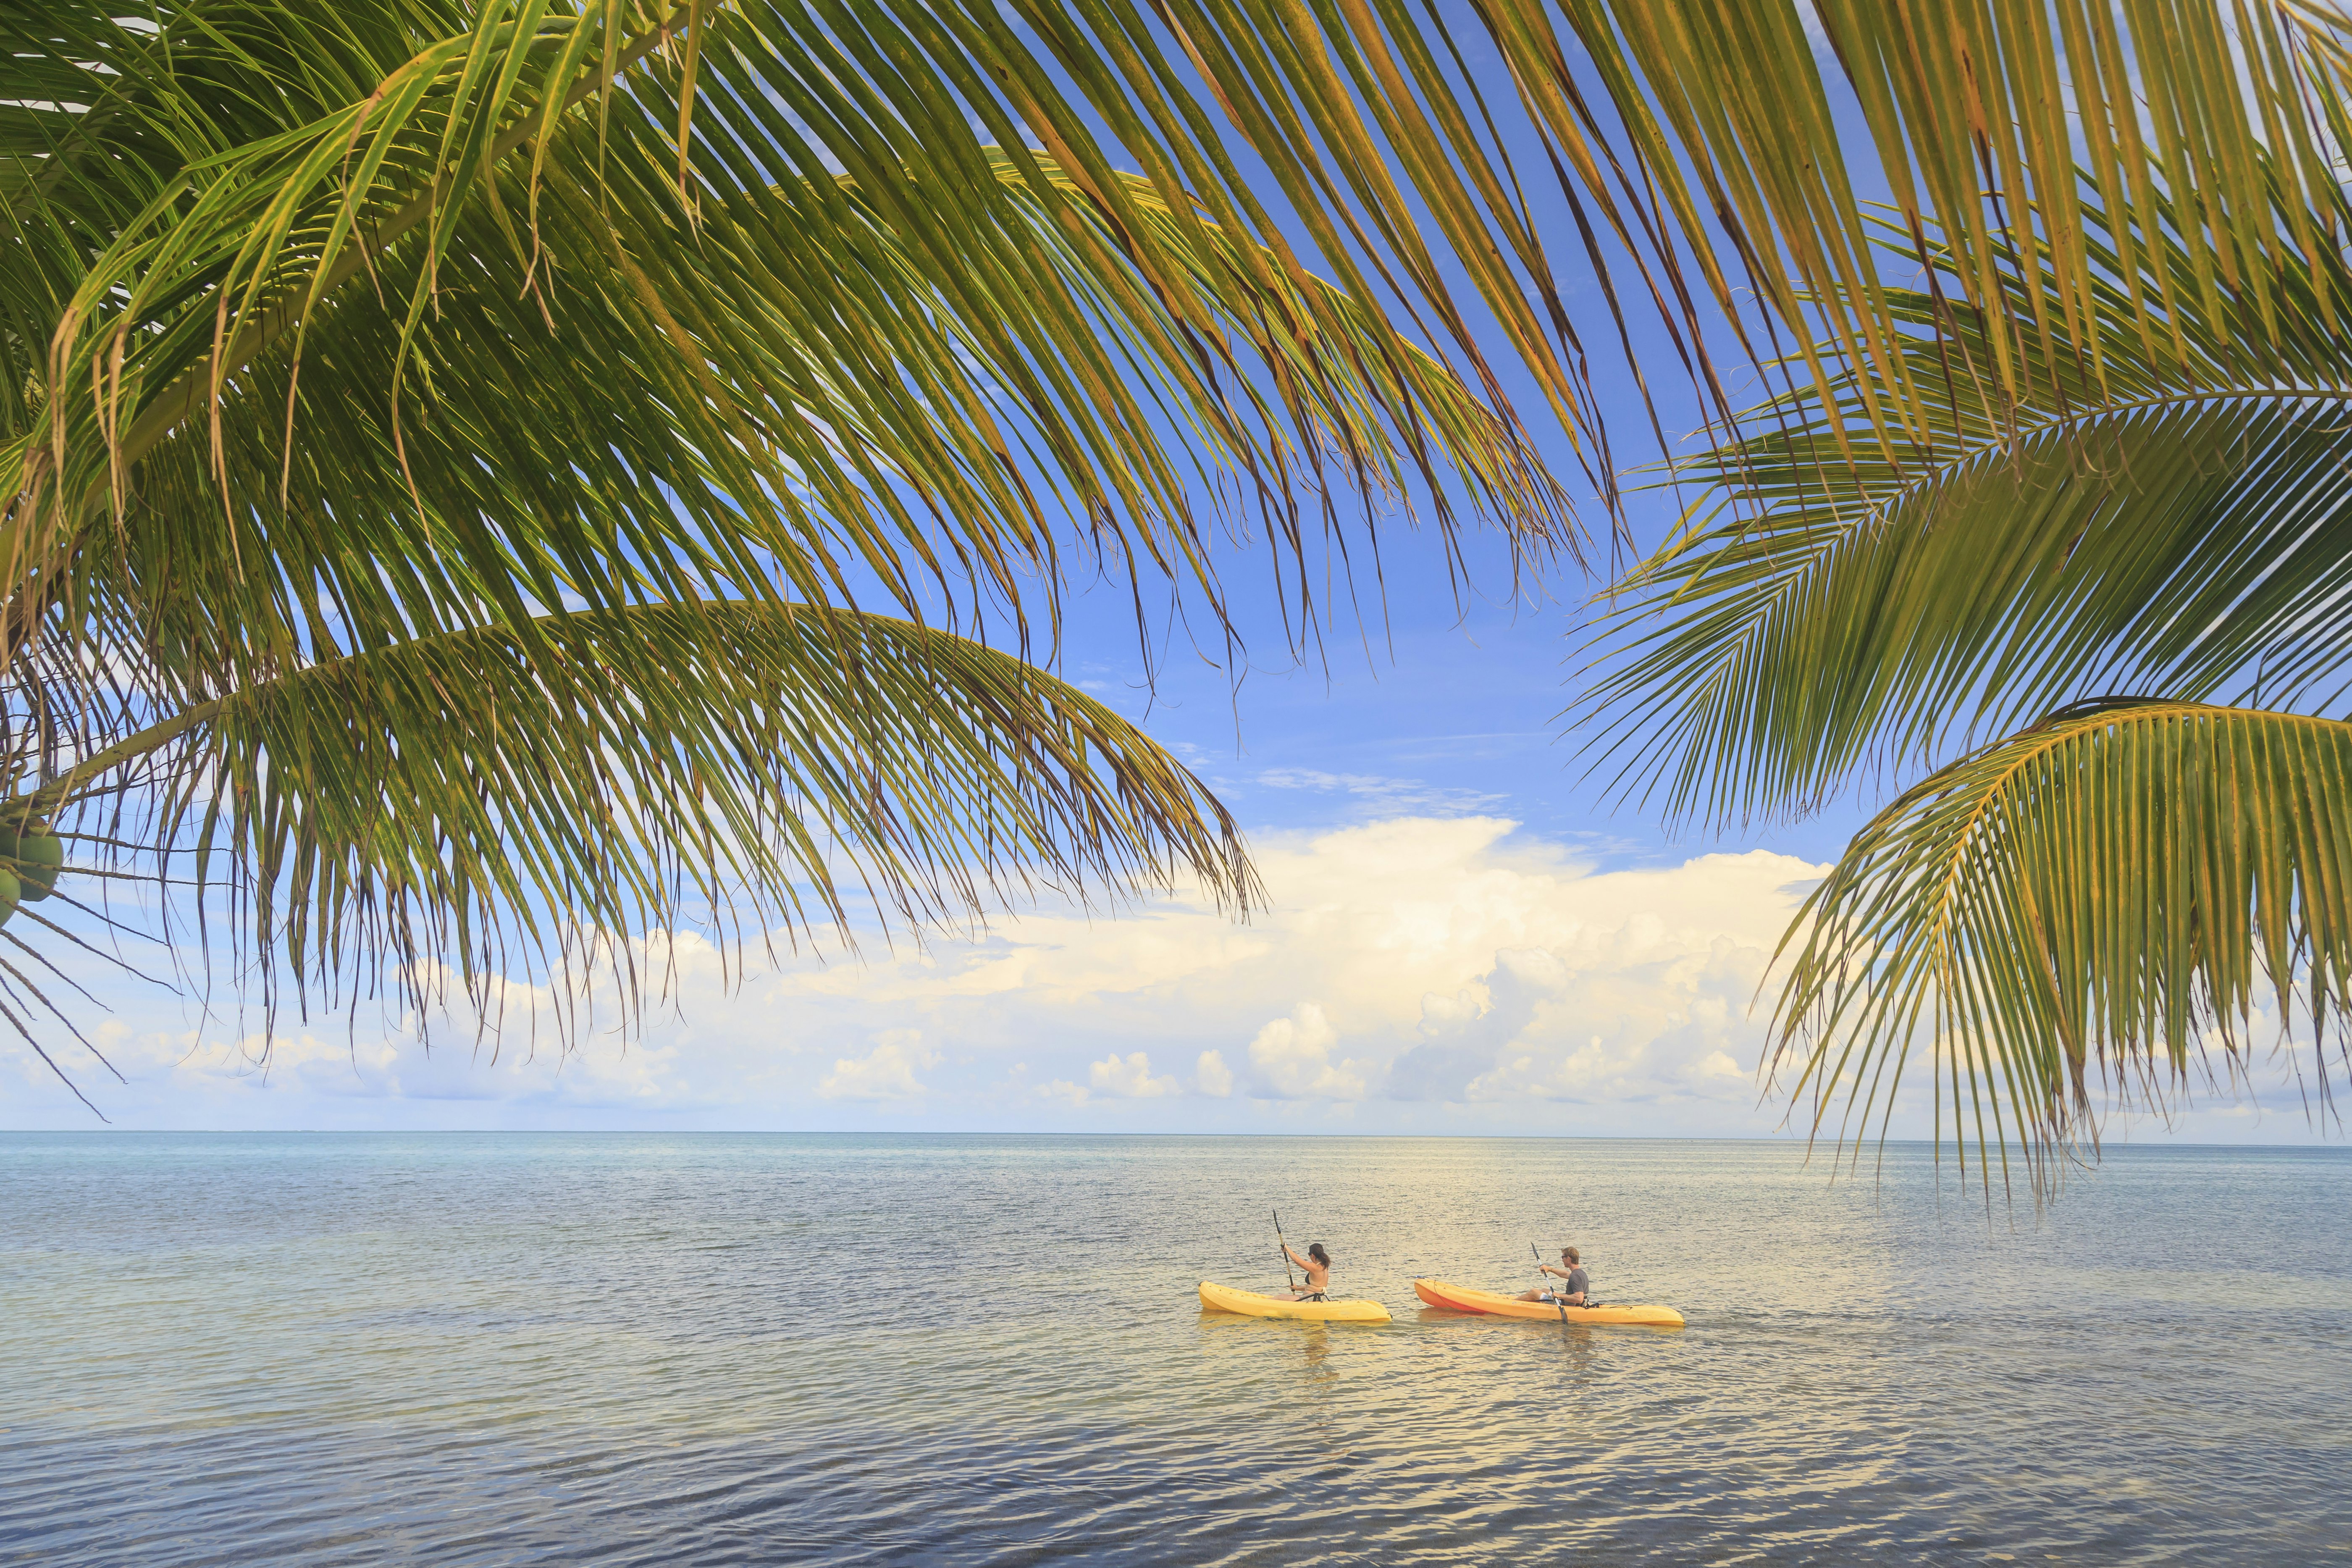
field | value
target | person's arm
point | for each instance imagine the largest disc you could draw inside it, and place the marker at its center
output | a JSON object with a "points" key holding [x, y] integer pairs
{"points": [[1292, 1256]]}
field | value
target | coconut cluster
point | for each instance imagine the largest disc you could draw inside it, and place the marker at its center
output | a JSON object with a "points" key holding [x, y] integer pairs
{"points": [[29, 863]]}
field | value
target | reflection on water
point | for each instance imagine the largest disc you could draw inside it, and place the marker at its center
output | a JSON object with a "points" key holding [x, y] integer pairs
{"points": [[518, 1349]]}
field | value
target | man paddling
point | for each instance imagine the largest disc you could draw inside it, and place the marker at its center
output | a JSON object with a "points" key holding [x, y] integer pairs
{"points": [[1571, 1271]]}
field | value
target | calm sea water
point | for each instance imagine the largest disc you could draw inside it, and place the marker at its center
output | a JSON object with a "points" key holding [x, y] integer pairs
{"points": [[509, 1349]]}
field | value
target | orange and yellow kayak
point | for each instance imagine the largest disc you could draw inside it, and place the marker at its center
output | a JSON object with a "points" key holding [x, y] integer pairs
{"points": [[1462, 1298], [1249, 1304]]}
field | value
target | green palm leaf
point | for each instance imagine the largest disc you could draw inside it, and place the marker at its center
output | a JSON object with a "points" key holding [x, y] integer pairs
{"points": [[1820, 615], [830, 371], [2082, 908], [2090, 139], [2001, 130], [617, 488], [501, 805]]}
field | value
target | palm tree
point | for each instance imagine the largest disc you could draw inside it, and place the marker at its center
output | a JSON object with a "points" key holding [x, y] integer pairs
{"points": [[490, 481], [2055, 536]]}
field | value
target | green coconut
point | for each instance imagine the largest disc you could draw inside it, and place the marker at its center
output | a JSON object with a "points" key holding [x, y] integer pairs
{"points": [[37, 856], [11, 890]]}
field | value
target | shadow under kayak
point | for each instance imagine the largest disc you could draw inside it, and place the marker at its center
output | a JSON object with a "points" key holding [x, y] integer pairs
{"points": [[1462, 1298], [1249, 1304]]}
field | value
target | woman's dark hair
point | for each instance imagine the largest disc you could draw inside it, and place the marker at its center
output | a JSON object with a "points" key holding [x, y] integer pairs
{"points": [[1321, 1256]]}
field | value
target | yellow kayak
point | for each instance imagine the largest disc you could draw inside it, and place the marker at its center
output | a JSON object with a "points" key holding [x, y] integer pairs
{"points": [[1462, 1298], [1249, 1304]]}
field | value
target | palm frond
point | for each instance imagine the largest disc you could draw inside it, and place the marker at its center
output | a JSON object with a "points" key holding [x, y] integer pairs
{"points": [[2083, 136], [1709, 164], [777, 377], [621, 482], [485, 807], [2082, 912], [1826, 609], [766, 285]]}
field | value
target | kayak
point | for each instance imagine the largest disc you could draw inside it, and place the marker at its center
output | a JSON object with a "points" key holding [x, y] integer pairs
{"points": [[1462, 1298], [1249, 1304]]}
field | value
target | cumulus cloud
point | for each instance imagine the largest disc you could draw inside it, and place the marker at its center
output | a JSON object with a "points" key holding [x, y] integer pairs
{"points": [[1212, 1076], [1613, 1014], [1129, 1077], [1293, 1058], [885, 1072], [1420, 967], [1422, 973], [1430, 972]]}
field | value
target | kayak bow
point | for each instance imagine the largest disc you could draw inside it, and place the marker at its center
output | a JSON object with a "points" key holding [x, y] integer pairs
{"points": [[1462, 1298]]}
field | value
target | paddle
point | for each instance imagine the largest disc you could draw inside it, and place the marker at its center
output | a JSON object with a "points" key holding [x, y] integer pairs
{"points": [[1541, 1281], [1285, 1244]]}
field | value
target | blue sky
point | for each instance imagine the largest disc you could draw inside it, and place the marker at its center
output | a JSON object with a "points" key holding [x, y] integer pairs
{"points": [[1465, 935]]}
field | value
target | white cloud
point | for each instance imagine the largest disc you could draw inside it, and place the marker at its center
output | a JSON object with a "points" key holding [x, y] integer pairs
{"points": [[1430, 972], [1716, 1064], [885, 1072], [1129, 1077], [1212, 1076], [1293, 1057], [1631, 1012], [1416, 974]]}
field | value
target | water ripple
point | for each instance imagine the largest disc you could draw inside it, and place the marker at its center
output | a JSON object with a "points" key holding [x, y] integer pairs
{"points": [[756, 1349]]}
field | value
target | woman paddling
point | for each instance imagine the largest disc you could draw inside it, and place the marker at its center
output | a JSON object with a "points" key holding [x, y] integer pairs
{"points": [[1318, 1264]]}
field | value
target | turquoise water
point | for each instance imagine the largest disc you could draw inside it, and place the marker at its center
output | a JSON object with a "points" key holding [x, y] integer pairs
{"points": [[508, 1349]]}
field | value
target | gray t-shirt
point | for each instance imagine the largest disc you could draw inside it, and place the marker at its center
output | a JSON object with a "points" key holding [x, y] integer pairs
{"points": [[1573, 1285]]}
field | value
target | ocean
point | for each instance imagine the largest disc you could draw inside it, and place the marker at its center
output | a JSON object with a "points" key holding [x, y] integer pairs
{"points": [[762, 1349]]}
